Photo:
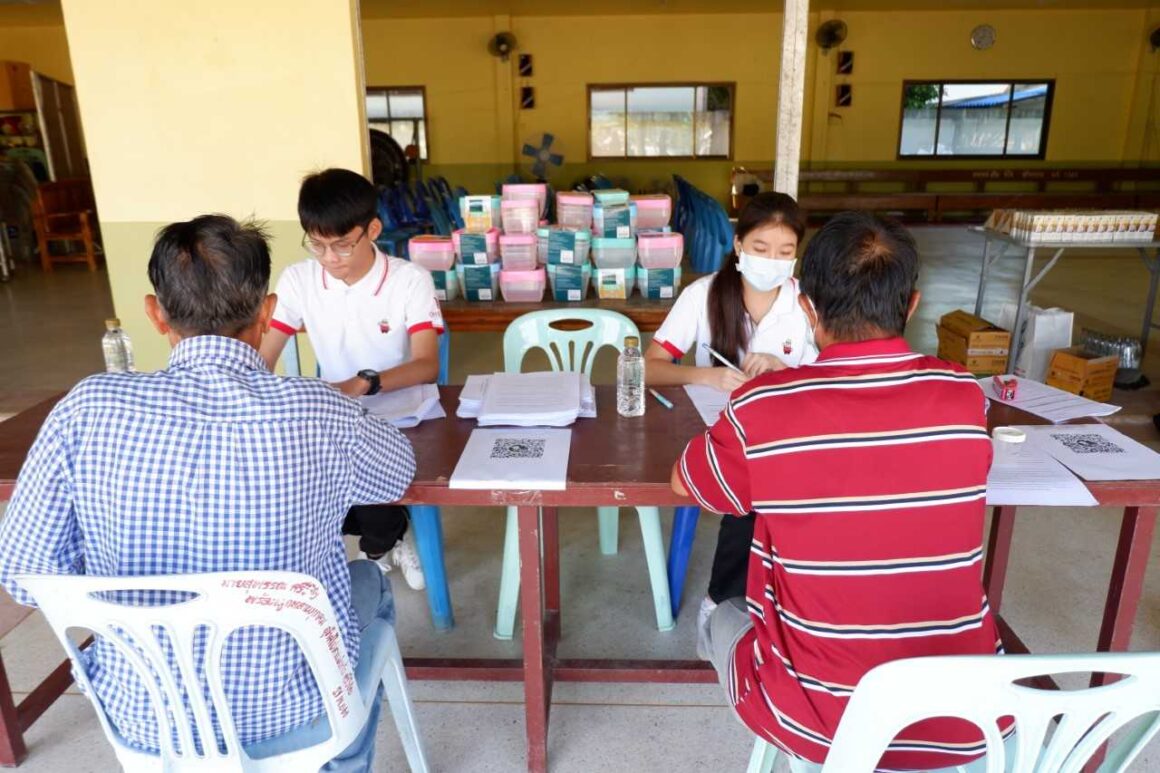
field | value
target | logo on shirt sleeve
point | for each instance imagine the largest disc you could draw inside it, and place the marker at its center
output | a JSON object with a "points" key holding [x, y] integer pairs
{"points": [[384, 326]]}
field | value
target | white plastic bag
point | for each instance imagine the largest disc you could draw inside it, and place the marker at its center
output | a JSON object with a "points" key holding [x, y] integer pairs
{"points": [[1044, 331]]}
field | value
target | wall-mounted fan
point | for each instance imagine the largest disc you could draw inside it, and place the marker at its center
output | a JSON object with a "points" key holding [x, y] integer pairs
{"points": [[502, 45], [831, 34], [542, 156]]}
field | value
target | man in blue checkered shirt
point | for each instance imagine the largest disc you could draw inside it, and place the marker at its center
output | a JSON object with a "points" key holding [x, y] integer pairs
{"points": [[213, 464]]}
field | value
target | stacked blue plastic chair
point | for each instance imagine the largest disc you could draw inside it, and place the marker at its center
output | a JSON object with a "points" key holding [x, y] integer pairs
{"points": [[706, 228]]}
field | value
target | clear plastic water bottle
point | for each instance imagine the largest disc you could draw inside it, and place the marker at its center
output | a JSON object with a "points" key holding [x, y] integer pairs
{"points": [[118, 348], [630, 379]]}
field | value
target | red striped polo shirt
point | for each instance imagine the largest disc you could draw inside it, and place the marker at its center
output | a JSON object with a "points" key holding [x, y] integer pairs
{"points": [[868, 472]]}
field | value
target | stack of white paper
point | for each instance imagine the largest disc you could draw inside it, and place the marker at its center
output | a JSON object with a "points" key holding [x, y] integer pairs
{"points": [[1096, 451], [472, 397], [1025, 475], [521, 459], [1052, 404], [406, 407], [708, 401]]}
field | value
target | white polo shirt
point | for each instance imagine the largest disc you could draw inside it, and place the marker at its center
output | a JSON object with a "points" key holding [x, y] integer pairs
{"points": [[365, 325], [783, 332]]}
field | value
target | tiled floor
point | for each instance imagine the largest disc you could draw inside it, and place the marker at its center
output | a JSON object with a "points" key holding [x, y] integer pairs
{"points": [[1055, 591]]}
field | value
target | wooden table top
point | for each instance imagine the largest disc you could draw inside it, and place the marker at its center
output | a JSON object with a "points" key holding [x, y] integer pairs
{"points": [[613, 460]]}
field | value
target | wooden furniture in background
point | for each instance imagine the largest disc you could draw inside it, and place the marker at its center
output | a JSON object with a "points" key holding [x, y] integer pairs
{"points": [[931, 194], [16, 87], [64, 212]]}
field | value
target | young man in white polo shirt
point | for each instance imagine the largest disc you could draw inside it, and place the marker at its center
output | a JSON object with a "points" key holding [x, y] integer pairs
{"points": [[373, 322]]}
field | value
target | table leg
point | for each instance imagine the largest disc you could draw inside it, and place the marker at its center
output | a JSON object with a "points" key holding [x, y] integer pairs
{"points": [[1021, 310], [1153, 266], [998, 553], [1127, 580], [983, 270], [536, 673], [12, 748], [1124, 589], [549, 525]]}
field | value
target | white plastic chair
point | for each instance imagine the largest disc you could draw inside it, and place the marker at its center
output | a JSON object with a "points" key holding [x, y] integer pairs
{"points": [[981, 689], [575, 351], [297, 604]]}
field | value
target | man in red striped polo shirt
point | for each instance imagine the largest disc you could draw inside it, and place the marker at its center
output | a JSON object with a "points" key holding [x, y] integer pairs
{"points": [[868, 472]]}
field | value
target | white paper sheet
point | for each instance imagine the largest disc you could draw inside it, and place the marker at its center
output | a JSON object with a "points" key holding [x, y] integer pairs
{"points": [[471, 397], [1053, 404], [514, 458], [1096, 451], [708, 401], [1024, 474], [406, 407]]}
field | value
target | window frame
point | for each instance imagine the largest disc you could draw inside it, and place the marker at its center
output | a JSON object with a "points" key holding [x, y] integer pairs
{"points": [[731, 85], [1047, 104], [426, 116]]}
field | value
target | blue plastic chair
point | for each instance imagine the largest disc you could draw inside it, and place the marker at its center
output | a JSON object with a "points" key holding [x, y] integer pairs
{"points": [[426, 520], [575, 350]]}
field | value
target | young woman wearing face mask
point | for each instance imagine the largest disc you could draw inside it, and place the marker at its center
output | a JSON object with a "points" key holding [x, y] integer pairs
{"points": [[749, 313]]}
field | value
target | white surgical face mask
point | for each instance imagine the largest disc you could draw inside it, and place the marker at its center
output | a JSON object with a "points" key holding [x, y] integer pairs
{"points": [[764, 274]]}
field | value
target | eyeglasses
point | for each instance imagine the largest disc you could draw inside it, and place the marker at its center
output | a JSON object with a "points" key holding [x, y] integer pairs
{"points": [[340, 249]]}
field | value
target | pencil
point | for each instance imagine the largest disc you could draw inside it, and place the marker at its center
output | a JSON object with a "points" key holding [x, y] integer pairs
{"points": [[661, 399], [721, 359]]}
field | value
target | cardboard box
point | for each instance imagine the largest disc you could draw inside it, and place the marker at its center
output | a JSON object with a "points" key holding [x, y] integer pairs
{"points": [[974, 343], [1088, 375]]}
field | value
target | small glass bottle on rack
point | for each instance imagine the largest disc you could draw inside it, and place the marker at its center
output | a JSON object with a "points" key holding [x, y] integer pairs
{"points": [[118, 348], [630, 379]]}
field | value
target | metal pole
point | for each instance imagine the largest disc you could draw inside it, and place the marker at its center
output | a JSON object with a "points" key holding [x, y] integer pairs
{"points": [[791, 96]]}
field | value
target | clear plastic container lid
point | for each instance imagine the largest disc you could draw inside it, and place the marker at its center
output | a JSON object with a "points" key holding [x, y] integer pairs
{"points": [[517, 240], [574, 199], [653, 201], [428, 243], [660, 241], [491, 234]]}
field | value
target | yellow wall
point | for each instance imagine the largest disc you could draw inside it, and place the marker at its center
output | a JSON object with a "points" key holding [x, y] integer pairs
{"points": [[1099, 59], [45, 48], [184, 115]]}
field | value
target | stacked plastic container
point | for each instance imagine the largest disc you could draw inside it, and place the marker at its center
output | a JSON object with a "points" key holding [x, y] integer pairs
{"points": [[608, 238], [437, 255], [574, 210], [658, 249], [521, 279], [478, 267]]}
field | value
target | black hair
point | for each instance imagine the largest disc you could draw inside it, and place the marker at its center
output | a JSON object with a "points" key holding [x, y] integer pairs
{"points": [[727, 315], [335, 201], [210, 274], [860, 271]]}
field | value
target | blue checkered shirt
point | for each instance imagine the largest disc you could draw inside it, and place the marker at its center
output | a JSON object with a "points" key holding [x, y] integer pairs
{"points": [[213, 464]]}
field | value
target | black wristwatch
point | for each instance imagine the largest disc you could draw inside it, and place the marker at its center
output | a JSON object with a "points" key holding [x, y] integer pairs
{"points": [[373, 377]]}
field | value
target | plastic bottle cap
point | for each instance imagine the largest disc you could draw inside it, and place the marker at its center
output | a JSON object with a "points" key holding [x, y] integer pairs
{"points": [[631, 341], [112, 323], [1009, 435]]}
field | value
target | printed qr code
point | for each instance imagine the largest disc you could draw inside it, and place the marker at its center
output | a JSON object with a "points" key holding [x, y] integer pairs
{"points": [[1088, 444], [518, 448]]}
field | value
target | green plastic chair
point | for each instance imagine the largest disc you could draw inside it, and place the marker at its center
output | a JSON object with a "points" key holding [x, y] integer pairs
{"points": [[575, 350], [1057, 731]]}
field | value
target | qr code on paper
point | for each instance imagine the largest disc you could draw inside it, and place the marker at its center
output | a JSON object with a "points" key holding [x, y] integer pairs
{"points": [[518, 448], [1088, 444]]}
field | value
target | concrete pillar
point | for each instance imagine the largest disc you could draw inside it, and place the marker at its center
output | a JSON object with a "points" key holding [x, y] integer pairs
{"points": [[790, 96], [212, 106]]}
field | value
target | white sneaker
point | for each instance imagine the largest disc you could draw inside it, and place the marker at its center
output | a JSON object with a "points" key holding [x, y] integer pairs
{"points": [[384, 561], [703, 647], [405, 557]]}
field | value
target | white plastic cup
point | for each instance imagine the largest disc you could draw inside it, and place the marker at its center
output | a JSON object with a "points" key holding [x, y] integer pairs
{"points": [[1006, 442]]}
